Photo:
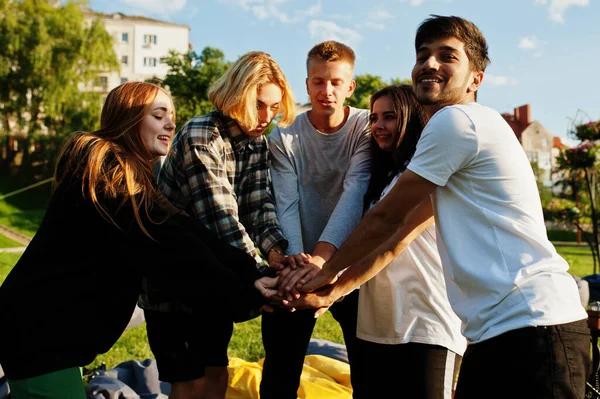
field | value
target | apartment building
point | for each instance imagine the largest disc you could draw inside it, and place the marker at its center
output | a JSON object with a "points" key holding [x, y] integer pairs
{"points": [[139, 43]]}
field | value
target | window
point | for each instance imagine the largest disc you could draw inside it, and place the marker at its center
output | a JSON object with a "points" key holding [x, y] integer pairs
{"points": [[125, 37], [149, 39], [123, 80], [124, 60], [103, 80], [150, 61]]}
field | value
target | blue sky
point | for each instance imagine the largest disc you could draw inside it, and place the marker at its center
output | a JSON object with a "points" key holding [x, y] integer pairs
{"points": [[544, 52]]}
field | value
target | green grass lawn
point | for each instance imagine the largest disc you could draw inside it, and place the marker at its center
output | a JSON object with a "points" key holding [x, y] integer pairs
{"points": [[25, 221], [579, 259], [6, 242]]}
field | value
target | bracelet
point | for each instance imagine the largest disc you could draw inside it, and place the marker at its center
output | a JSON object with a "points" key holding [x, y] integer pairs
{"points": [[280, 252]]}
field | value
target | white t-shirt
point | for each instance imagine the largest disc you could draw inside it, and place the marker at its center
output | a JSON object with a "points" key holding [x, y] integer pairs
{"points": [[407, 300], [502, 272]]}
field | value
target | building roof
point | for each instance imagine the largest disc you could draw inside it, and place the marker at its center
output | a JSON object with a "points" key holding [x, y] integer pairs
{"points": [[557, 143], [132, 18]]}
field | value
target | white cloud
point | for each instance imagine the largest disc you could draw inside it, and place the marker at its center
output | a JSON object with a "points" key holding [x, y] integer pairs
{"points": [[372, 25], [416, 3], [341, 17], [156, 6], [272, 9], [528, 43], [499, 80], [538, 54], [557, 8], [380, 14], [326, 30]]}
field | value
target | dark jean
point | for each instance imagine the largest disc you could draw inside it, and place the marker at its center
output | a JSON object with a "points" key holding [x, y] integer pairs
{"points": [[286, 336], [184, 344], [549, 362], [409, 371]]}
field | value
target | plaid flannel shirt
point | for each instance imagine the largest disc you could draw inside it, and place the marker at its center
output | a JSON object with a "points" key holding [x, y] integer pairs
{"points": [[220, 175]]}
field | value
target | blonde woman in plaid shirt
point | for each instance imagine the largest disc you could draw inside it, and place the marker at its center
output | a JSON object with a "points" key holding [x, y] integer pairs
{"points": [[217, 171]]}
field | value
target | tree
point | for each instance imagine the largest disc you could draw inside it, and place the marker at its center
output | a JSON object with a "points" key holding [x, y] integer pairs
{"points": [[189, 78], [48, 53], [368, 84], [581, 166]]}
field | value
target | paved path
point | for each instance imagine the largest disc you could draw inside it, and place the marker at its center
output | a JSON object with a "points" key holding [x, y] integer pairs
{"points": [[15, 236]]}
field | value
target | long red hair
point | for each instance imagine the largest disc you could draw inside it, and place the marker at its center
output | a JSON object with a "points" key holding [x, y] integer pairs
{"points": [[113, 162]]}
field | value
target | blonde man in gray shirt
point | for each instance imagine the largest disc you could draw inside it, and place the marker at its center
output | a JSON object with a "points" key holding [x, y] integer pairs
{"points": [[320, 173]]}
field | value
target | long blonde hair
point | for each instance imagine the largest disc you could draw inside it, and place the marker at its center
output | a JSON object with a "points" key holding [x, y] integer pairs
{"points": [[113, 162], [234, 93]]}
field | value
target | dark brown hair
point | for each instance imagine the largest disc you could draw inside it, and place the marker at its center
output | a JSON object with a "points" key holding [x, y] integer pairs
{"points": [[439, 27], [411, 118]]}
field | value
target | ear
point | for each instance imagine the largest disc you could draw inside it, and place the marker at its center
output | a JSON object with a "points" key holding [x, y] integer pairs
{"points": [[476, 80], [306, 82], [351, 88]]}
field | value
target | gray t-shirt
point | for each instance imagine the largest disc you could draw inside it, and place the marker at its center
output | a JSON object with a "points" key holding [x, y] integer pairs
{"points": [[319, 180]]}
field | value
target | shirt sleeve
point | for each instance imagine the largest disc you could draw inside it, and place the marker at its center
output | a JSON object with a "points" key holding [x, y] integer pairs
{"points": [[266, 230], [349, 209], [287, 196], [214, 200], [447, 145]]}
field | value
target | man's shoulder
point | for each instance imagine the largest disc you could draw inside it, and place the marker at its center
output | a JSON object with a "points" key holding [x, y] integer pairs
{"points": [[201, 129], [463, 110], [298, 125]]}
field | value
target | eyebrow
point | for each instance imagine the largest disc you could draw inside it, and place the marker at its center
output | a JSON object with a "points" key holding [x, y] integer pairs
{"points": [[263, 103], [162, 108]]}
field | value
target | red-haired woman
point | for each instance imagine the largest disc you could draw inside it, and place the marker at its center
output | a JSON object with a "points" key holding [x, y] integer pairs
{"points": [[105, 228]]}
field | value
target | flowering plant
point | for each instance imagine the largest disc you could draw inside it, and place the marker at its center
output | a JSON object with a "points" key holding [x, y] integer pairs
{"points": [[583, 156], [561, 210], [588, 131]]}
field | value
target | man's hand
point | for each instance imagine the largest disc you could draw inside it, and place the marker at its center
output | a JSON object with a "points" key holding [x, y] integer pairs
{"points": [[288, 283], [267, 286], [320, 300], [278, 261], [322, 279]]}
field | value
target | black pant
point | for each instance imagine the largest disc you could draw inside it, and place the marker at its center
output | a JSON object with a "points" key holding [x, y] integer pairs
{"points": [[550, 362], [286, 336], [409, 371]]}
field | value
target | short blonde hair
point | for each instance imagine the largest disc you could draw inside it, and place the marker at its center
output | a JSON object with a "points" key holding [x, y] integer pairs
{"points": [[234, 93]]}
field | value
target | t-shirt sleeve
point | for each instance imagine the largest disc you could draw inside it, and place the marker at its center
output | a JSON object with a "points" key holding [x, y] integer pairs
{"points": [[447, 145]]}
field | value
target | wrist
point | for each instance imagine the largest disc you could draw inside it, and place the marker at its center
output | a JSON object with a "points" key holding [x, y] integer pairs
{"points": [[273, 251]]}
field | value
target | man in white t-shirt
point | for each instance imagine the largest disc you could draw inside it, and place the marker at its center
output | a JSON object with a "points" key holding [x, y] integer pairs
{"points": [[519, 307]]}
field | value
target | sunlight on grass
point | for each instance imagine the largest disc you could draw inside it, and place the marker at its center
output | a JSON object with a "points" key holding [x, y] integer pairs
{"points": [[6, 242], [579, 258]]}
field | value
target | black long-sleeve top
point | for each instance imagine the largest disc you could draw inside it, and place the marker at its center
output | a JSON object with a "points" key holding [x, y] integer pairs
{"points": [[72, 292]]}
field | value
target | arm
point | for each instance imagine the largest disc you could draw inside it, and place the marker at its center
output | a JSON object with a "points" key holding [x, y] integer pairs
{"points": [[383, 223], [368, 267], [285, 188], [349, 208]]}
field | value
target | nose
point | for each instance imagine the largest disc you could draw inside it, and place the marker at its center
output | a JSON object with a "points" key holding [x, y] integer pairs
{"points": [[431, 63], [266, 115], [328, 88], [170, 125], [378, 124]]}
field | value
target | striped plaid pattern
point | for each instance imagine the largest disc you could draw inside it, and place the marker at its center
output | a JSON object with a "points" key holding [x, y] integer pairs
{"points": [[220, 175]]}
